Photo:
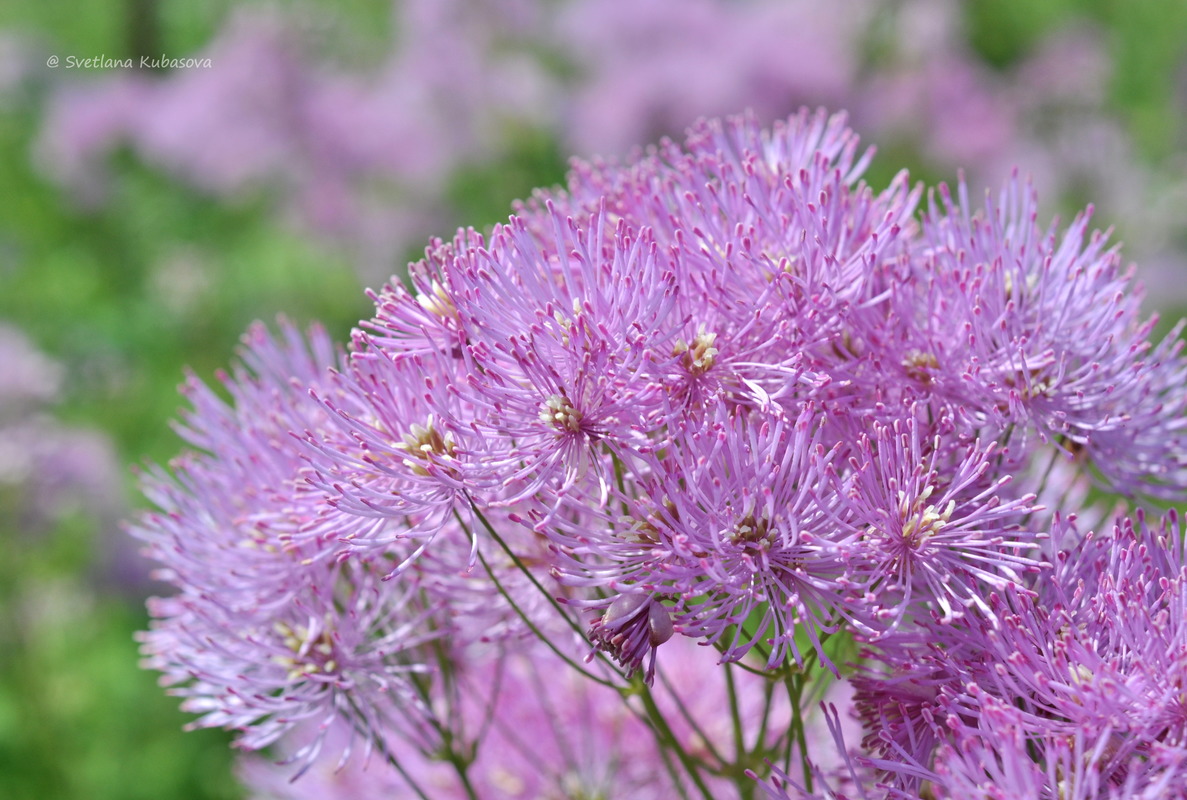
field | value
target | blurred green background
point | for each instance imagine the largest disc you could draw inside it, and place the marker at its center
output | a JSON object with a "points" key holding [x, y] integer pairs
{"points": [[161, 274]]}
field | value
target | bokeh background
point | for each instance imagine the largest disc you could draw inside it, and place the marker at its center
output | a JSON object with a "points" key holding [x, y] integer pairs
{"points": [[309, 150]]}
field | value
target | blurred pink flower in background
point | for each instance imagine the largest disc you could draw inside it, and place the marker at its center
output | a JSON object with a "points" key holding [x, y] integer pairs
{"points": [[364, 157], [50, 472], [28, 378], [84, 123], [652, 67]]}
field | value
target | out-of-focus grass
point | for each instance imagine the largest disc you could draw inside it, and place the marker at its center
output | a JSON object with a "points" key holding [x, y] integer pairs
{"points": [[77, 719], [156, 279]]}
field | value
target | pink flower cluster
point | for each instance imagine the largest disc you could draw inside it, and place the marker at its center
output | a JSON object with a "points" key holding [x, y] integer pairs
{"points": [[724, 392]]}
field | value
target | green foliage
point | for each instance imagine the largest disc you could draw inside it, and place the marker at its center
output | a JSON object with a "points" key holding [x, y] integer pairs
{"points": [[482, 194], [1145, 42], [156, 278], [1149, 52], [1005, 31], [78, 720]]}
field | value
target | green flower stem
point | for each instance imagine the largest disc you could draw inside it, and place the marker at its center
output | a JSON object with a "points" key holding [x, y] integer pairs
{"points": [[741, 754], [735, 712], [663, 732], [688, 717], [666, 756], [462, 766], [768, 702], [795, 690], [667, 739]]}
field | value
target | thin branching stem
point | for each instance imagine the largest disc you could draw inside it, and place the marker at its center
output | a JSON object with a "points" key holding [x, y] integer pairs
{"points": [[668, 738], [379, 744], [741, 754], [689, 718], [522, 567], [536, 630], [531, 576]]}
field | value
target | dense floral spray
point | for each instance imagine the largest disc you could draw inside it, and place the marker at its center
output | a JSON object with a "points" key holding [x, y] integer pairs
{"points": [[725, 393]]}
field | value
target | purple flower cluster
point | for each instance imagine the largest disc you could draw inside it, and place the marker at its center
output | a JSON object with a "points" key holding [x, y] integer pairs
{"points": [[1069, 686], [724, 392]]}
